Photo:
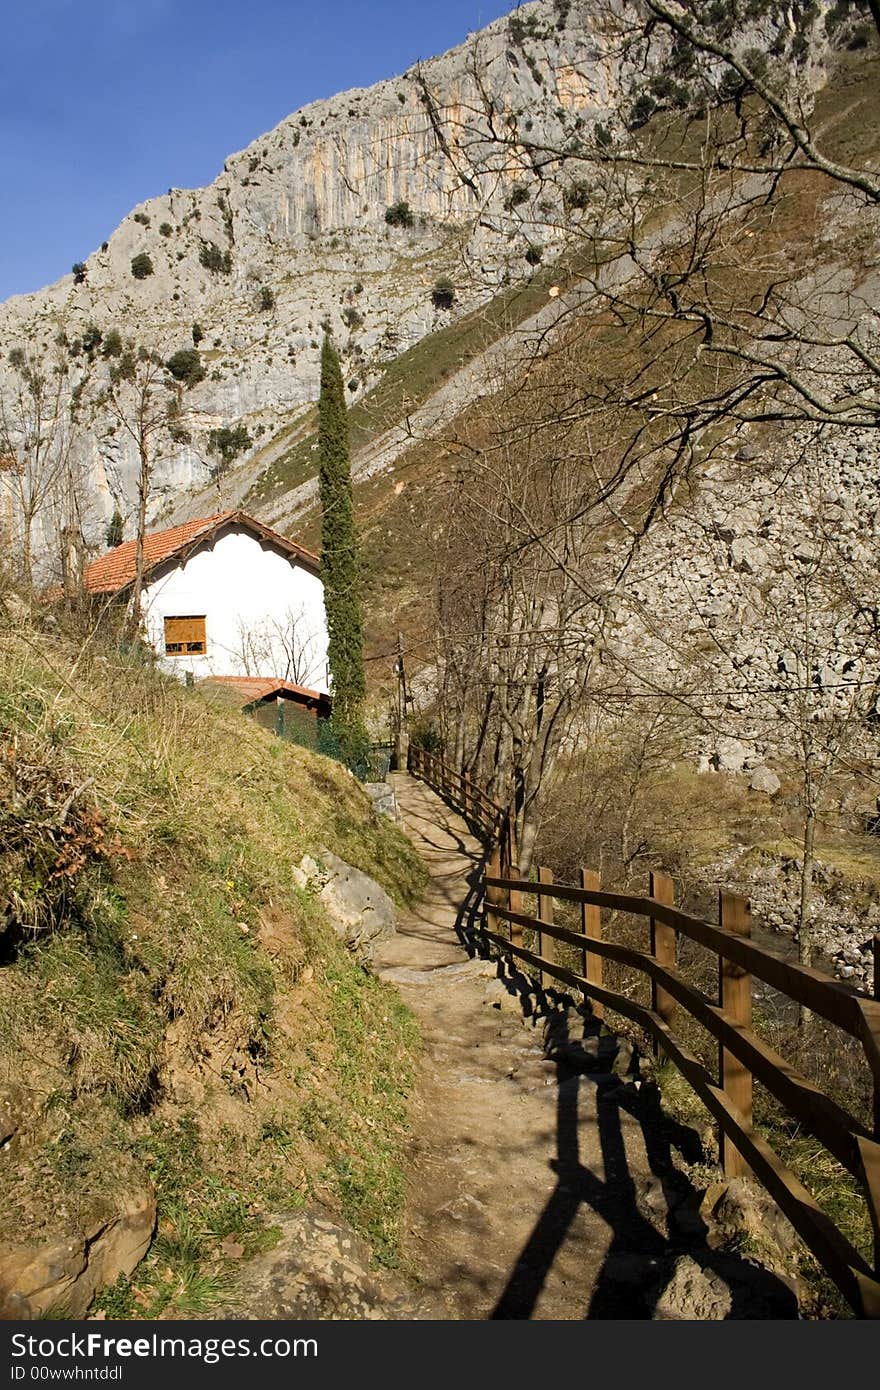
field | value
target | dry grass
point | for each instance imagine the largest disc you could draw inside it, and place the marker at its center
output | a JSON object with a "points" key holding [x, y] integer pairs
{"points": [[181, 978]]}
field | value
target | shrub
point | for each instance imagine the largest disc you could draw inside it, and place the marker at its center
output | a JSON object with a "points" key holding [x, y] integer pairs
{"points": [[91, 338], [577, 195], [731, 85], [534, 254], [229, 441], [351, 317], [520, 28], [141, 266], [186, 365], [643, 108], [518, 194], [165, 229], [80, 271], [124, 367], [115, 530], [197, 334], [142, 218], [213, 259], [267, 299], [443, 293], [399, 215], [665, 89], [112, 346]]}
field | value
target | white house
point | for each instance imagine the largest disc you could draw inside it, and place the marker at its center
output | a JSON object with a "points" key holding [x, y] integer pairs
{"points": [[226, 596]]}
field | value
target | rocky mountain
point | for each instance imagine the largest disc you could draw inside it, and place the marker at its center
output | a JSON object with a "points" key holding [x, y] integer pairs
{"points": [[346, 214], [388, 213]]}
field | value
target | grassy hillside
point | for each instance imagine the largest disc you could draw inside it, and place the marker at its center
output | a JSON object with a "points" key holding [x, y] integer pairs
{"points": [[173, 1008], [408, 382]]}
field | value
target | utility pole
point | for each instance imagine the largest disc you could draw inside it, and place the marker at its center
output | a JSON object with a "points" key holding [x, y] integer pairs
{"points": [[401, 742]]}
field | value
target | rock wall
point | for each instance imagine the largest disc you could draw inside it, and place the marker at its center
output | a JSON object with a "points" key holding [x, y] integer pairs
{"points": [[295, 229]]}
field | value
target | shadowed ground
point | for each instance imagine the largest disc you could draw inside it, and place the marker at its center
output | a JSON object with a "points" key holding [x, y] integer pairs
{"points": [[541, 1184]]}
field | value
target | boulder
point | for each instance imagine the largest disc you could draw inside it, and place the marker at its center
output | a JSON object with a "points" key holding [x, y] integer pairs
{"points": [[63, 1275], [320, 1269], [692, 1293], [739, 1211], [729, 756], [306, 872], [746, 557], [763, 779], [382, 796], [359, 909]]}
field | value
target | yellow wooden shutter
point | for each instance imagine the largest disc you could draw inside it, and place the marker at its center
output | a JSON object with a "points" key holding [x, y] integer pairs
{"points": [[185, 635]]}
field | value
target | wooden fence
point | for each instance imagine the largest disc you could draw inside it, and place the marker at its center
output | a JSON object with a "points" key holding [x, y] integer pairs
{"points": [[742, 1054]]}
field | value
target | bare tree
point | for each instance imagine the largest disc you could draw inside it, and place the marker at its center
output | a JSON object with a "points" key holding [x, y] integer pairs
{"points": [[684, 242], [691, 304], [36, 438], [145, 402], [520, 616], [281, 647]]}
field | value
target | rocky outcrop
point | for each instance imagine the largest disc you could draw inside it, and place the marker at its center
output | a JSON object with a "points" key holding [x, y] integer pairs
{"points": [[359, 909], [320, 1269], [844, 912], [382, 796], [756, 591], [292, 234], [63, 1275]]}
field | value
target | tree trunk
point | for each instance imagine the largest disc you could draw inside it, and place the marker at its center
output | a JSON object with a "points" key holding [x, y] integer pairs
{"points": [[527, 835], [27, 559], [805, 926], [134, 608]]}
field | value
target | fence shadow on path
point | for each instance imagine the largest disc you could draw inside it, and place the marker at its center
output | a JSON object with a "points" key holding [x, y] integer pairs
{"points": [[640, 1257]]}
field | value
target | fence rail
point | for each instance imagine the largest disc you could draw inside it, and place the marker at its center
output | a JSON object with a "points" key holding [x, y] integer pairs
{"points": [[470, 798], [743, 1056]]}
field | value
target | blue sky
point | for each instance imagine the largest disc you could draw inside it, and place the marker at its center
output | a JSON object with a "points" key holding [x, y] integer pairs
{"points": [[106, 102]]}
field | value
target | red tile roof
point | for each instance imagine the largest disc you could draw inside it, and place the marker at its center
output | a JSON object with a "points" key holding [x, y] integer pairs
{"points": [[250, 688], [116, 569]]}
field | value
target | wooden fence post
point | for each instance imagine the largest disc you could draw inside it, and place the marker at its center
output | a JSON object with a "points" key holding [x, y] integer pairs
{"points": [[492, 895], [591, 926], [876, 1082], [735, 998], [876, 1111], [545, 912], [514, 903], [662, 948]]}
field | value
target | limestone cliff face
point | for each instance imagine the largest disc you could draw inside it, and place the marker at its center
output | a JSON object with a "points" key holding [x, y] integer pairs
{"points": [[292, 235], [295, 229]]}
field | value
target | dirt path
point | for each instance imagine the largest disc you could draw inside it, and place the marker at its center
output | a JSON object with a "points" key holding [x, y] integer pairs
{"points": [[542, 1184]]}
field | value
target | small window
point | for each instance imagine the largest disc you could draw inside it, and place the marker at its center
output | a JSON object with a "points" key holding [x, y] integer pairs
{"points": [[185, 637]]}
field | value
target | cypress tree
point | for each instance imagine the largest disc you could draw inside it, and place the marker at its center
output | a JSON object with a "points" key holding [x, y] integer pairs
{"points": [[340, 566], [115, 529]]}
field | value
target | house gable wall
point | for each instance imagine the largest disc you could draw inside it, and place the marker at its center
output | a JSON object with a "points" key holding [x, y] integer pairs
{"points": [[252, 595]]}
